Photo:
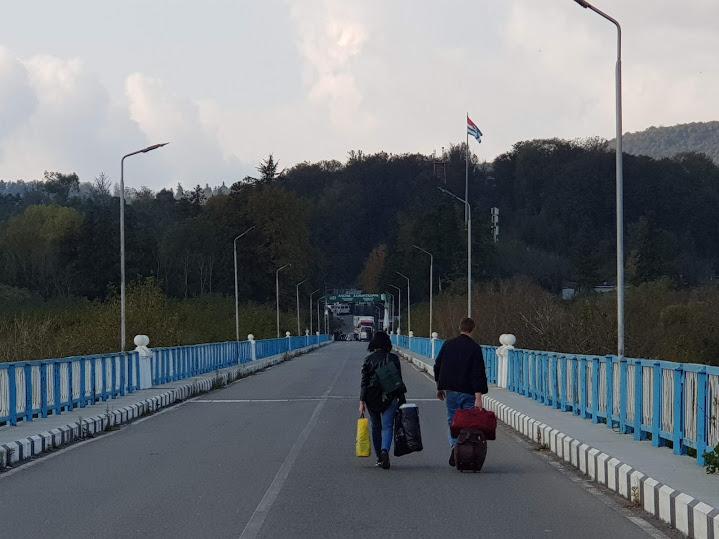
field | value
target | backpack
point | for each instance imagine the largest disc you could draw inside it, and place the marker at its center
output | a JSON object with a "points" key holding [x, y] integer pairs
{"points": [[388, 378]]}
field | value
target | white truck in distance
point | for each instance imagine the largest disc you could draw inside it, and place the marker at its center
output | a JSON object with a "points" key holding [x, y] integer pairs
{"points": [[363, 327]]}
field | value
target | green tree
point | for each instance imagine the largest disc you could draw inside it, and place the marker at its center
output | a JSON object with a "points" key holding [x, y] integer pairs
{"points": [[268, 169], [369, 279], [34, 248], [61, 186]]}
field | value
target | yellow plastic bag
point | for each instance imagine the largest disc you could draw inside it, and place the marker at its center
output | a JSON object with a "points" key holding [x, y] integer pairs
{"points": [[362, 446]]}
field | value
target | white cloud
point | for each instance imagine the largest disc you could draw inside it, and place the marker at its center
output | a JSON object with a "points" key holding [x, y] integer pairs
{"points": [[17, 100], [64, 120], [57, 115], [330, 35], [195, 154], [373, 75]]}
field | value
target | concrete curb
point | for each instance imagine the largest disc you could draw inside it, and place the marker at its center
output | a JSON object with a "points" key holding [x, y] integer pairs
{"points": [[47, 441], [690, 516]]}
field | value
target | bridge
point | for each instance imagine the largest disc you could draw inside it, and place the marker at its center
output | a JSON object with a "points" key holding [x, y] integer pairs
{"points": [[255, 439]]}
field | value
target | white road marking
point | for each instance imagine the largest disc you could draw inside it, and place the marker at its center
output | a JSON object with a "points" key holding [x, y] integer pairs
{"points": [[590, 487], [254, 525], [251, 400], [294, 399], [43, 457]]}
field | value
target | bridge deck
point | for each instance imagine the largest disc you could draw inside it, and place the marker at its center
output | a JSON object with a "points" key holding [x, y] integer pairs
{"points": [[273, 456]]}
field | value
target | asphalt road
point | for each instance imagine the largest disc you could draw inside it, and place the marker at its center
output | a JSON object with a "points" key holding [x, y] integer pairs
{"points": [[273, 456]]}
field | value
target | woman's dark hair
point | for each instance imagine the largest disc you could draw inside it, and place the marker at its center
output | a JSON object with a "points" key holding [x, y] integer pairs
{"points": [[380, 341]]}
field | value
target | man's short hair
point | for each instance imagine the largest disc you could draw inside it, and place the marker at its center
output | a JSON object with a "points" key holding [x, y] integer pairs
{"points": [[466, 325]]}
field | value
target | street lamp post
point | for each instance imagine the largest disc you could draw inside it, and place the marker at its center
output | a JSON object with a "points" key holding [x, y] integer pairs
{"points": [[297, 287], [619, 179], [399, 306], [277, 294], [431, 283], [391, 311], [311, 316], [326, 317], [469, 247], [390, 323], [237, 298], [409, 310], [122, 237], [319, 324]]}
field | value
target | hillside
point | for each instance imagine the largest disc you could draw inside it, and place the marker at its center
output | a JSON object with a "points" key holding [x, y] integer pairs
{"points": [[658, 142], [556, 203]]}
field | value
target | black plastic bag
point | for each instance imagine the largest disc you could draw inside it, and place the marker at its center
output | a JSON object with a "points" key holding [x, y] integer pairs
{"points": [[407, 435]]}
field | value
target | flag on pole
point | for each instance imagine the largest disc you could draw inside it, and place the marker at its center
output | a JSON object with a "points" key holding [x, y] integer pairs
{"points": [[473, 130]]}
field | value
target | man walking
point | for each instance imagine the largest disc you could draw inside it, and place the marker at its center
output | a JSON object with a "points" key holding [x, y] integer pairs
{"points": [[460, 375]]}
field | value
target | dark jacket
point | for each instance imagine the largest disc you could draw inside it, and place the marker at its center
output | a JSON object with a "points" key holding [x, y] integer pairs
{"points": [[371, 394], [460, 366]]}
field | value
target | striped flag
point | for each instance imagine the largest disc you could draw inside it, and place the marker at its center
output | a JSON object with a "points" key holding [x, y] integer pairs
{"points": [[473, 130]]}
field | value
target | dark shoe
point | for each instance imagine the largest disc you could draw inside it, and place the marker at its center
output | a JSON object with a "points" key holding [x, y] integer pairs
{"points": [[384, 460], [451, 458]]}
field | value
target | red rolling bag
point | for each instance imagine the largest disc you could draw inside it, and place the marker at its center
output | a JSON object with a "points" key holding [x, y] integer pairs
{"points": [[475, 419]]}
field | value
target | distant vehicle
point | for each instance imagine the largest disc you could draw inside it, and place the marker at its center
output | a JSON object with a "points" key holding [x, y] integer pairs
{"points": [[363, 327]]}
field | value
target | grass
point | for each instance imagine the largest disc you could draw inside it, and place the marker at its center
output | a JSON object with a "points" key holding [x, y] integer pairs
{"points": [[71, 326]]}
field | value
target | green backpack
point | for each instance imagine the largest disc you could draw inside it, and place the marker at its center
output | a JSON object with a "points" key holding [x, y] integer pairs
{"points": [[388, 377]]}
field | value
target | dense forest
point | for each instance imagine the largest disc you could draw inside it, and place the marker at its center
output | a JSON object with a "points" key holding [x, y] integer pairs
{"points": [[658, 142], [354, 223]]}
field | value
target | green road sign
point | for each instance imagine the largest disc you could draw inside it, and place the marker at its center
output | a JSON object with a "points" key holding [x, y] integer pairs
{"points": [[355, 298]]}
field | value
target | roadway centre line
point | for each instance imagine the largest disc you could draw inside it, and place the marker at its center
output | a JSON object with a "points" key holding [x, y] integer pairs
{"points": [[607, 498], [254, 525], [42, 457], [97, 437], [293, 399]]}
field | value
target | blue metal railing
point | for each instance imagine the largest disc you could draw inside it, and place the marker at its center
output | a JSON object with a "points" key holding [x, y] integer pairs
{"points": [[423, 346], [37, 388], [32, 389], [179, 362], [673, 404]]}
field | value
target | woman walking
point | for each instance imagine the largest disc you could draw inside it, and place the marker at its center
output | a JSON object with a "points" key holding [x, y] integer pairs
{"points": [[382, 393]]}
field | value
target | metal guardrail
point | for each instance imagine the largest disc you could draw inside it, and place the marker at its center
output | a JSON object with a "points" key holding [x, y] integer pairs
{"points": [[36, 389], [673, 404], [423, 347]]}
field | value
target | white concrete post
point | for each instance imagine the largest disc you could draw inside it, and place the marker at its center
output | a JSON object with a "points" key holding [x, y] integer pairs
{"points": [[253, 347], [507, 340], [144, 376], [289, 342], [318, 338], [307, 337], [434, 344], [410, 335]]}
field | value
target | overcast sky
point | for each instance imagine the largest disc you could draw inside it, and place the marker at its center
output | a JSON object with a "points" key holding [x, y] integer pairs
{"points": [[229, 81]]}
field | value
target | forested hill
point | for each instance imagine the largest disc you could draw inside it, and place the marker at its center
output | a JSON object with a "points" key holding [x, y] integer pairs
{"points": [[658, 142], [556, 202]]}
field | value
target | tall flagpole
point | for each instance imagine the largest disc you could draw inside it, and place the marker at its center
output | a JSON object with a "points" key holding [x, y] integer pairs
{"points": [[466, 169]]}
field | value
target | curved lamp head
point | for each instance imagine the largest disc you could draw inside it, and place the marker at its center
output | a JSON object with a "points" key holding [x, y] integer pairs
{"points": [[154, 147]]}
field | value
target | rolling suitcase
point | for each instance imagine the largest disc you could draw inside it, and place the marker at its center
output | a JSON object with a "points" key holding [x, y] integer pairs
{"points": [[475, 419], [470, 451]]}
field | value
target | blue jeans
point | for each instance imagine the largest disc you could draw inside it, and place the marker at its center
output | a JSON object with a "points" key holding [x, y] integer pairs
{"points": [[457, 401], [383, 427]]}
